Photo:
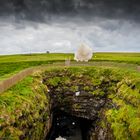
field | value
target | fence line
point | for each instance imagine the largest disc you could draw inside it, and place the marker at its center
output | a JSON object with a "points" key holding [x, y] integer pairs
{"points": [[6, 84]]}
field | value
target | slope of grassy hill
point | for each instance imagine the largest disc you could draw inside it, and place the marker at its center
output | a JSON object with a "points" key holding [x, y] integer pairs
{"points": [[23, 107], [10, 64]]}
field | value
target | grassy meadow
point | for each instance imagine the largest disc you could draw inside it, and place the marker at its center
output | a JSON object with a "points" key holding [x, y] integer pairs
{"points": [[119, 57], [11, 64], [116, 71]]}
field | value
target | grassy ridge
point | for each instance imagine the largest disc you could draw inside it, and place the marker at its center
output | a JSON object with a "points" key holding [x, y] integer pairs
{"points": [[8, 69], [10, 64], [120, 115], [35, 57], [120, 57], [24, 110]]}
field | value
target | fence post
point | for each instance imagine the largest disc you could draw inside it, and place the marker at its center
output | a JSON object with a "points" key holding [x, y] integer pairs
{"points": [[67, 62], [6, 84]]}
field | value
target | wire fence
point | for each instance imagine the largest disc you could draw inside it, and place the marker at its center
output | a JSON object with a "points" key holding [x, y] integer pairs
{"points": [[6, 84]]}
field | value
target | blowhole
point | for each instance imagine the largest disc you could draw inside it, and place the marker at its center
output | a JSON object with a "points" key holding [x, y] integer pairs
{"points": [[68, 127]]}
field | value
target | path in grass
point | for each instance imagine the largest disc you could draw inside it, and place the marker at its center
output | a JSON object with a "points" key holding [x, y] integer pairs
{"points": [[9, 69], [4, 85], [12, 64], [9, 82]]}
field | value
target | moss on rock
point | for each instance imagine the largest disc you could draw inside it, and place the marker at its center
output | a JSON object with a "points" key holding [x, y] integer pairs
{"points": [[24, 110], [119, 117]]}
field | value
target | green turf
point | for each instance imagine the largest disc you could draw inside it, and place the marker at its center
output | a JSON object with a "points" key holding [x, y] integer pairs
{"points": [[11, 64], [23, 108], [119, 57], [35, 57]]}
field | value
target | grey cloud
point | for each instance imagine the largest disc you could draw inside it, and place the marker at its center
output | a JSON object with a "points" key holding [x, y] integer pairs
{"points": [[123, 35], [61, 26], [36, 10]]}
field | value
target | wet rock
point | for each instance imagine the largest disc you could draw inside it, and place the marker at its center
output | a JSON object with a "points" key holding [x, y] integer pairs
{"points": [[81, 97]]}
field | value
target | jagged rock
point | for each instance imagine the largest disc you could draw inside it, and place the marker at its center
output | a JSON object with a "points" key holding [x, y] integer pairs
{"points": [[104, 96]]}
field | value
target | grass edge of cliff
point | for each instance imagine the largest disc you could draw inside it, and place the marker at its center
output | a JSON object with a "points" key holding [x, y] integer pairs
{"points": [[24, 106], [123, 117], [24, 110]]}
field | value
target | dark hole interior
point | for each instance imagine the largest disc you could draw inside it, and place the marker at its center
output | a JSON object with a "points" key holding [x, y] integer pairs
{"points": [[69, 127]]}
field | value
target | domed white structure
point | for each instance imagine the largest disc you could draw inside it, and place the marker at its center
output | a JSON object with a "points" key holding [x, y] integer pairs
{"points": [[84, 53]]}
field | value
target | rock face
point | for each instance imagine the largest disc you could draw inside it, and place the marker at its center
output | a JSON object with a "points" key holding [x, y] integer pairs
{"points": [[99, 95], [80, 96], [24, 111], [85, 105]]}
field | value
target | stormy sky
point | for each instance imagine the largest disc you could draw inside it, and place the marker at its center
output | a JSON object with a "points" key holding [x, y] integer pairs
{"points": [[62, 25]]}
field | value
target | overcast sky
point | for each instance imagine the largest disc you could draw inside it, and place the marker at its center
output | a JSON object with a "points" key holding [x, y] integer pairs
{"points": [[27, 26]]}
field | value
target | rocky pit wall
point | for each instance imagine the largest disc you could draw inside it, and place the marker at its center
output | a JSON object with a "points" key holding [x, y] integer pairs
{"points": [[109, 98], [24, 111]]}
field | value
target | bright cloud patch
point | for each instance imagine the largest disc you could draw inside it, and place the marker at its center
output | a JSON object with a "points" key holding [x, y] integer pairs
{"points": [[65, 34]]}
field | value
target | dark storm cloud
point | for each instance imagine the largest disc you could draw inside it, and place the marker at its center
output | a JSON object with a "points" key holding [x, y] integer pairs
{"points": [[37, 9], [61, 25]]}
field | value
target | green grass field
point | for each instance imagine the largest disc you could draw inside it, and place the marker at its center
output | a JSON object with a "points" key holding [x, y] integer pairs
{"points": [[119, 57], [119, 69], [11, 64]]}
